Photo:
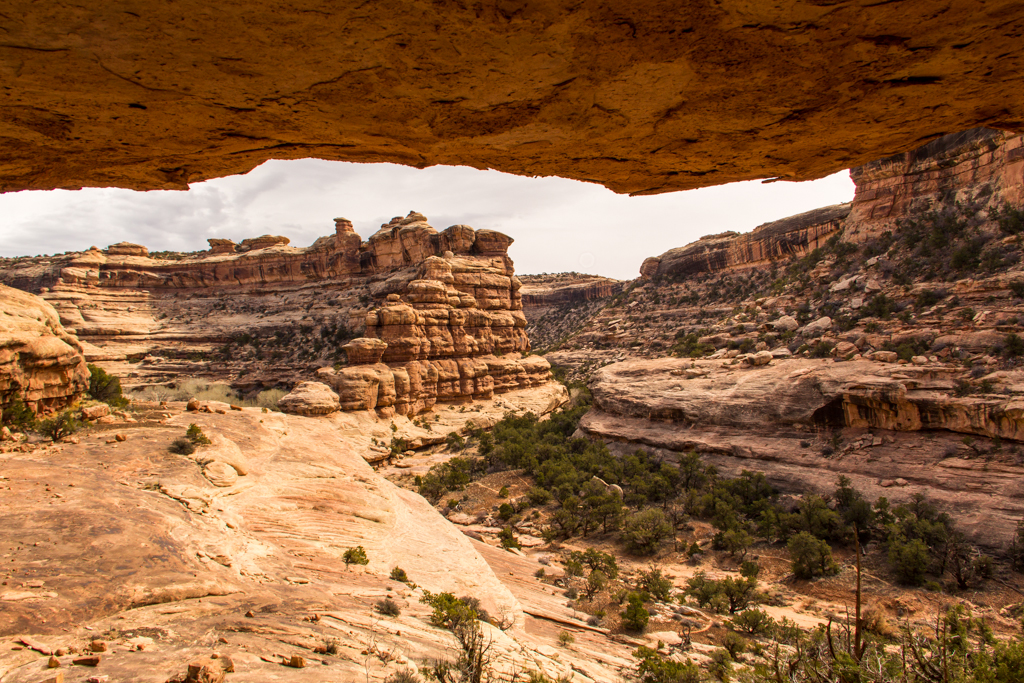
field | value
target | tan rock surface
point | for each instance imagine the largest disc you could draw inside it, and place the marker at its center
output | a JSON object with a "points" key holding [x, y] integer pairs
{"points": [[39, 361], [760, 418], [655, 98], [248, 571]]}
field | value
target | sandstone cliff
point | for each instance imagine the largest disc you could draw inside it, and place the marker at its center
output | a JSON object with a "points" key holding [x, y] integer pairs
{"points": [[262, 312], [40, 363], [979, 167], [793, 236]]}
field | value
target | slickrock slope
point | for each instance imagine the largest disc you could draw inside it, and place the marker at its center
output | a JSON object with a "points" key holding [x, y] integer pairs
{"points": [[804, 422], [166, 562], [40, 363], [264, 313], [649, 98]]}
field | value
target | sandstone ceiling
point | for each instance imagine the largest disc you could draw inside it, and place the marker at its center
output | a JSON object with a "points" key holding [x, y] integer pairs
{"points": [[645, 96]]}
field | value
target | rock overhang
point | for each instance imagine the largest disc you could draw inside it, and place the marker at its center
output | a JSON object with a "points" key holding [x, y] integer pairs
{"points": [[647, 98]]}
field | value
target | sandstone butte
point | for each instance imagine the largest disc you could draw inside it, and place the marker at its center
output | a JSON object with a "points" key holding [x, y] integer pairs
{"points": [[644, 98]]}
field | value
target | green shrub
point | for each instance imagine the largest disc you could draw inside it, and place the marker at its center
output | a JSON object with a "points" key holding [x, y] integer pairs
{"points": [[810, 556], [753, 621], [910, 560], [17, 415], [635, 616], [1009, 218], [596, 560], [644, 531], [505, 512], [565, 639], [1014, 345], [355, 555], [654, 582], [195, 435], [105, 387], [508, 539], [653, 668], [398, 574], [59, 425], [728, 594], [449, 611]]}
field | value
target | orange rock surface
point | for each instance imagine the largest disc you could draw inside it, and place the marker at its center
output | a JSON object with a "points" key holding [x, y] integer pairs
{"points": [[648, 97]]}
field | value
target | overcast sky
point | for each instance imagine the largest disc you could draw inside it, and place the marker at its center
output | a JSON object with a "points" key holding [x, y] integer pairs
{"points": [[558, 225]]}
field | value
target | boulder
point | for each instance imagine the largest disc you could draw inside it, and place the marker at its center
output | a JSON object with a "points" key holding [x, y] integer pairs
{"points": [[817, 328], [96, 412], [310, 398], [786, 323], [220, 473], [760, 358]]}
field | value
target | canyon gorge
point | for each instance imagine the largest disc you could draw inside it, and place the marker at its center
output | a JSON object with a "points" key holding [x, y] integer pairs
{"points": [[395, 459]]}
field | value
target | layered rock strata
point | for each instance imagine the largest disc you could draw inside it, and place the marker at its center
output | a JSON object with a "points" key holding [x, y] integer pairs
{"points": [[979, 168], [793, 236], [649, 98], [40, 363], [457, 333], [262, 312]]}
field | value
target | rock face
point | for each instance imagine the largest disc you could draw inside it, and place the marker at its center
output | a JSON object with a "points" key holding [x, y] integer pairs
{"points": [[980, 167], [456, 333], [39, 361], [555, 305], [272, 313], [648, 100], [793, 236], [192, 550], [542, 291], [779, 418], [961, 178]]}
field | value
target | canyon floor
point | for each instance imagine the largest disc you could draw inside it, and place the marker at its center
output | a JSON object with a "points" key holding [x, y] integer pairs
{"points": [[159, 560]]}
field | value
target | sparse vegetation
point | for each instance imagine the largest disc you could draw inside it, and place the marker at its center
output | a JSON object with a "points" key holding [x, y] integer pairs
{"points": [[356, 555]]}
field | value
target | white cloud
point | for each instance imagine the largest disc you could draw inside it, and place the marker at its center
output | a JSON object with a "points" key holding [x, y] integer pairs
{"points": [[558, 224]]}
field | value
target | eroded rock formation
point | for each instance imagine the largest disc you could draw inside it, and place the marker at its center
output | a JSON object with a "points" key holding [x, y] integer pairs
{"points": [[978, 167], [457, 333], [263, 313], [40, 363], [649, 98]]}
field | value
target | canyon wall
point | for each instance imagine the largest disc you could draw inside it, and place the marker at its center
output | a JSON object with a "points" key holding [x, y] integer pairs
{"points": [[793, 236], [263, 313], [980, 168], [40, 363], [455, 333]]}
